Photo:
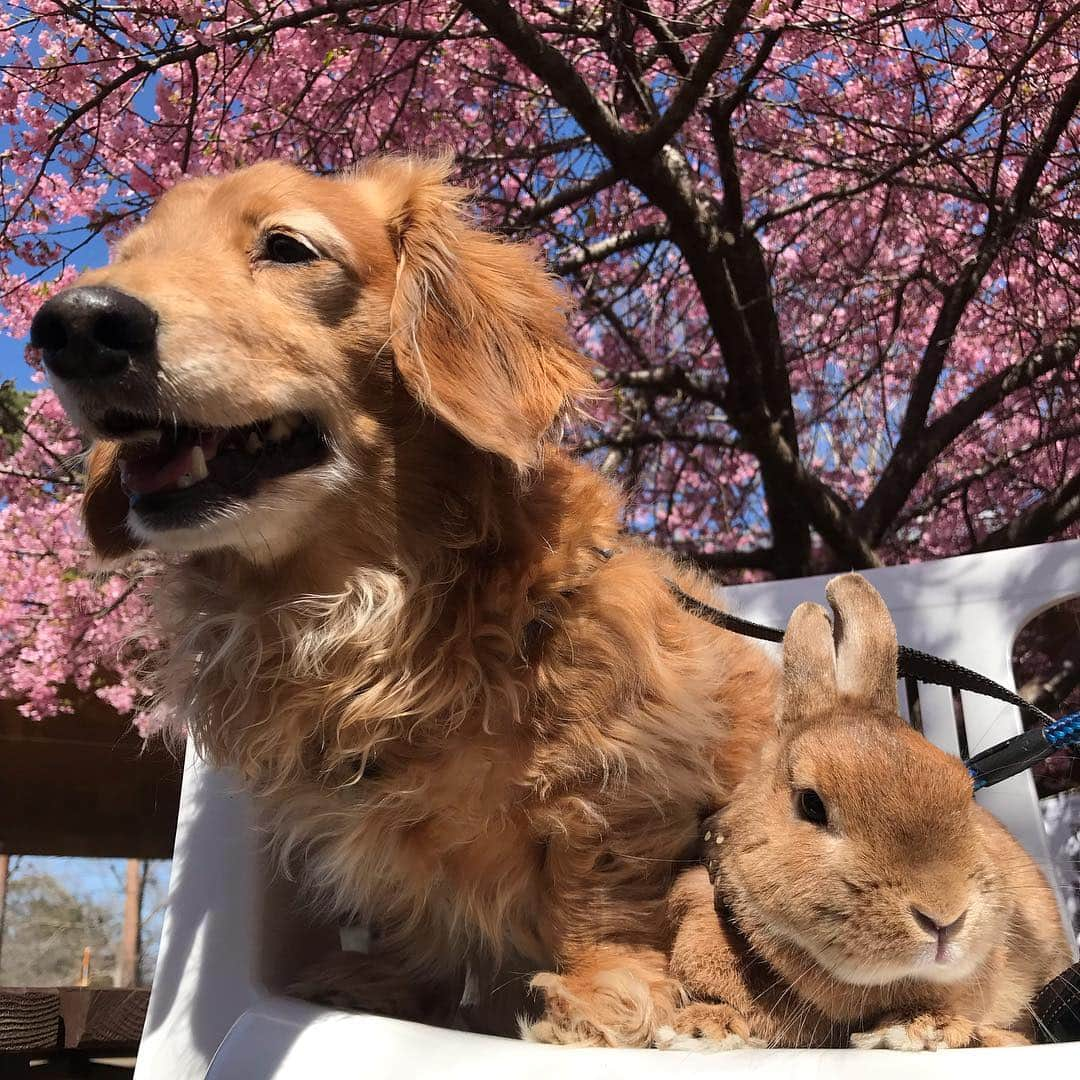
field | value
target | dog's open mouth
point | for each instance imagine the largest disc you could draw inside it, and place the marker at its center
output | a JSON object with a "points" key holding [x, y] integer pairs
{"points": [[178, 474]]}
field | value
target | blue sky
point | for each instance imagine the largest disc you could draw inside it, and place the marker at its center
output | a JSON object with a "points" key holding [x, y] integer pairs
{"points": [[12, 364], [101, 881]]}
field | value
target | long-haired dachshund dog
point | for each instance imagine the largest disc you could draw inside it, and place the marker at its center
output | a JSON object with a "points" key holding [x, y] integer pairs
{"points": [[466, 705]]}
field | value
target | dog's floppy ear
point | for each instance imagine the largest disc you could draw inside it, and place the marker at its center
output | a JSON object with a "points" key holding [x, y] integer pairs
{"points": [[105, 506], [478, 328]]}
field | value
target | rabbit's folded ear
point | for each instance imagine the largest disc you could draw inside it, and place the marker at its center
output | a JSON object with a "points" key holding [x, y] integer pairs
{"points": [[865, 642], [809, 679]]}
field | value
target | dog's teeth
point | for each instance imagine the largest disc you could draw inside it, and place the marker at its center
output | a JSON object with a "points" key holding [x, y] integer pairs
{"points": [[199, 471], [254, 443], [279, 430], [185, 481]]}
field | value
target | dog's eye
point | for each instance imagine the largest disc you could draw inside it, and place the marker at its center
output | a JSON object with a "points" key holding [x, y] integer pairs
{"points": [[811, 807], [280, 247]]}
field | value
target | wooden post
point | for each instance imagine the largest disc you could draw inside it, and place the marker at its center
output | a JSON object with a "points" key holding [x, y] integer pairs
{"points": [[84, 973], [5, 866], [127, 966]]}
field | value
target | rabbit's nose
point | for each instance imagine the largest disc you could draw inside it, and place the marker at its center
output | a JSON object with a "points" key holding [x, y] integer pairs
{"points": [[942, 929]]}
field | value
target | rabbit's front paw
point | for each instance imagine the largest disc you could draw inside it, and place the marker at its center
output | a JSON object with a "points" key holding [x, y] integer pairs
{"points": [[931, 1031], [705, 1027]]}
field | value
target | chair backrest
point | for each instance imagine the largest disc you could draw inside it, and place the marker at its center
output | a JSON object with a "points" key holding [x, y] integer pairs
{"points": [[232, 930]]}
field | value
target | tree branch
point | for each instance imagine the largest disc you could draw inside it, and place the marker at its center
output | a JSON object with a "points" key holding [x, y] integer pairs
{"points": [[1053, 692], [722, 111], [936, 499], [670, 380], [831, 516], [246, 32], [751, 559], [546, 62], [697, 82], [1040, 521], [738, 301], [921, 151], [959, 294], [565, 197], [611, 245], [913, 455], [637, 439]]}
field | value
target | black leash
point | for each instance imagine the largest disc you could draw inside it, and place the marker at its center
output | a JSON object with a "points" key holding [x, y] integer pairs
{"points": [[989, 767], [911, 663], [1056, 1008]]}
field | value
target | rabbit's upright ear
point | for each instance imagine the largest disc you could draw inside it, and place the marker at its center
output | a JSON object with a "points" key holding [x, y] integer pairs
{"points": [[865, 642], [809, 678]]}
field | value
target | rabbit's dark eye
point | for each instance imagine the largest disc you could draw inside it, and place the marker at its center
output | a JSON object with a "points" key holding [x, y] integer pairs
{"points": [[280, 247], [811, 807]]}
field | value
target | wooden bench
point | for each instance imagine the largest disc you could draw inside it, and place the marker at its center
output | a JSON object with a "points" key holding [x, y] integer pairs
{"points": [[69, 1025]]}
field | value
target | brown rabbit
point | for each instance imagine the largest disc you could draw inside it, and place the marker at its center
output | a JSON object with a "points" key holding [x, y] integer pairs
{"points": [[864, 898]]}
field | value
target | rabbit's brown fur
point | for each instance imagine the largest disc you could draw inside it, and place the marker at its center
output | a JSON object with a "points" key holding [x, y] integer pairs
{"points": [[808, 932]]}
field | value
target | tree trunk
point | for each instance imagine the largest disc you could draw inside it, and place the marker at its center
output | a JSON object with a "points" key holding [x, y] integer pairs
{"points": [[5, 864], [127, 966]]}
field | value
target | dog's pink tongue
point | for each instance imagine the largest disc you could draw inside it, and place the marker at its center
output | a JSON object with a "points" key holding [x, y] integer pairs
{"points": [[155, 470]]}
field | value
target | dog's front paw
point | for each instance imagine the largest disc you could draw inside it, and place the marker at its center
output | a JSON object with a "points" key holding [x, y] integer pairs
{"points": [[564, 1021], [930, 1031], [706, 1027], [988, 1035], [602, 1006]]}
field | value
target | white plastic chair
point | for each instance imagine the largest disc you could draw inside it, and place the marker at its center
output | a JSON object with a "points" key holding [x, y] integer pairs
{"points": [[231, 934]]}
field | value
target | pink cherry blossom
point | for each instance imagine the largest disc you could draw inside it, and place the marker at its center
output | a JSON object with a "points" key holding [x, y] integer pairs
{"points": [[824, 256]]}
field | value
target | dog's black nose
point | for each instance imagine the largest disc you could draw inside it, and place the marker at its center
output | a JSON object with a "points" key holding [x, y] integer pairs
{"points": [[92, 332]]}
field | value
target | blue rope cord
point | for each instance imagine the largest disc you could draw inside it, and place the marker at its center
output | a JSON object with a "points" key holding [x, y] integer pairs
{"points": [[1022, 751], [1064, 732]]}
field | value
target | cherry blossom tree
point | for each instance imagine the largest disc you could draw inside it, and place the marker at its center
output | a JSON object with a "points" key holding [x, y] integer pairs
{"points": [[62, 631], [824, 255]]}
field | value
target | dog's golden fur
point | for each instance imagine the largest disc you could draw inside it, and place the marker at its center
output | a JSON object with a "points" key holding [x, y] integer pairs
{"points": [[456, 714]]}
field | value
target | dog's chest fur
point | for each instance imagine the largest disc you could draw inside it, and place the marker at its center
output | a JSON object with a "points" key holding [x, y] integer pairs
{"points": [[398, 793], [477, 799], [441, 834]]}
